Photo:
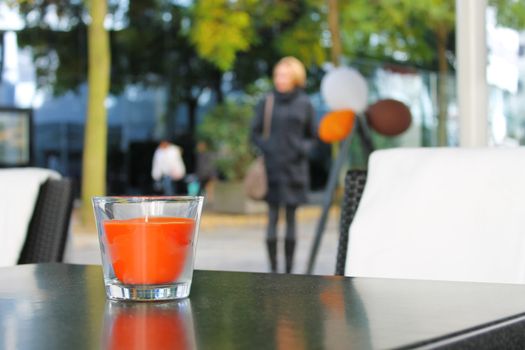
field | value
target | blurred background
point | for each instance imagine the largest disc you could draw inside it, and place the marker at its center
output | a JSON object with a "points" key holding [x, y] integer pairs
{"points": [[192, 71]]}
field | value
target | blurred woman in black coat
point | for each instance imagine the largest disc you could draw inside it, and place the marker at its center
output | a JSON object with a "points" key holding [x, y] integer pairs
{"points": [[292, 134]]}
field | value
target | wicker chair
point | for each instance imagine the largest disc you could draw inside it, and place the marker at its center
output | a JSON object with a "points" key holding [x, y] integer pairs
{"points": [[48, 229], [355, 181]]}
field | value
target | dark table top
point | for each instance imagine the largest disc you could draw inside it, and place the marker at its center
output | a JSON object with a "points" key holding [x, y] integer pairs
{"points": [[60, 306]]}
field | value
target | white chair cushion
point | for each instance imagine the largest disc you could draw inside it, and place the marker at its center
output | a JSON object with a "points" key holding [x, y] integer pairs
{"points": [[18, 193], [441, 214]]}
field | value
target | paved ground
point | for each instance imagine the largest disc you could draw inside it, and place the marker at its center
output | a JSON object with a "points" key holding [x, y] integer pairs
{"points": [[234, 243]]}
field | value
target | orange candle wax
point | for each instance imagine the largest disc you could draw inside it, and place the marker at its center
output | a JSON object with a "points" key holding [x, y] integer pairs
{"points": [[146, 329], [150, 250]]}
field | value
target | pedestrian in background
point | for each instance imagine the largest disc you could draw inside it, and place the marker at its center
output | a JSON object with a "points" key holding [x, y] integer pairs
{"points": [[292, 135], [167, 167]]}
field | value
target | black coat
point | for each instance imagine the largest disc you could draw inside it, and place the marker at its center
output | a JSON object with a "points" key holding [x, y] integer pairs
{"points": [[292, 135]]}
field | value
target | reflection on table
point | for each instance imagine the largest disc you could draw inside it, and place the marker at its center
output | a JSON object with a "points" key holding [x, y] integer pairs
{"points": [[59, 306], [147, 325]]}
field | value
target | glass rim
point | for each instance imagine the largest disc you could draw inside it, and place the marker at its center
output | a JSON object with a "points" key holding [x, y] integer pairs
{"points": [[141, 199]]}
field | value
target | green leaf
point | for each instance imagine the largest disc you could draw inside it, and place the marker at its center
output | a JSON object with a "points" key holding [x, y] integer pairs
{"points": [[220, 31]]}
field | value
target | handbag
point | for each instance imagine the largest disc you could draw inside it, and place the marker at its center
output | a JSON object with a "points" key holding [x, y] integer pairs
{"points": [[255, 181]]}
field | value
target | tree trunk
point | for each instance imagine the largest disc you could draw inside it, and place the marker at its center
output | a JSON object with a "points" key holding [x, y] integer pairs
{"points": [[442, 38], [192, 115], [171, 112], [95, 137], [217, 86], [2, 55], [190, 139], [336, 49], [172, 98], [333, 25]]}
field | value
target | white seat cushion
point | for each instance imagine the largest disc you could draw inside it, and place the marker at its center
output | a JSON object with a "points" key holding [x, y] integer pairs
{"points": [[442, 214], [18, 193]]}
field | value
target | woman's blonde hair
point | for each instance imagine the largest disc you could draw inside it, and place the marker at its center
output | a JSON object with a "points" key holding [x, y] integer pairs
{"points": [[297, 69]]}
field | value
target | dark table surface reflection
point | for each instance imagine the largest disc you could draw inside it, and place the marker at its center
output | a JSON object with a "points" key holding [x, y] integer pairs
{"points": [[163, 325], [59, 306]]}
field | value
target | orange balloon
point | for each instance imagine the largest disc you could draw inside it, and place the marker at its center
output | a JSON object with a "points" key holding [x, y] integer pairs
{"points": [[336, 125]]}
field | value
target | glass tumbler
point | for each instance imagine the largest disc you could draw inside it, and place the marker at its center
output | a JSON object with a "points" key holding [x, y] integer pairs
{"points": [[147, 245]]}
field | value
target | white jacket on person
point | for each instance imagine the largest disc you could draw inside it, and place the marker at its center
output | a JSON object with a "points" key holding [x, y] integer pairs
{"points": [[168, 161]]}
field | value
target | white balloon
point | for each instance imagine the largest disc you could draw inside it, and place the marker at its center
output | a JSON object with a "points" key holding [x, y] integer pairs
{"points": [[345, 88]]}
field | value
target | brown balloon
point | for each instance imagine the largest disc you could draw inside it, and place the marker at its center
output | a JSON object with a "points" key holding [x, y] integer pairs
{"points": [[389, 117]]}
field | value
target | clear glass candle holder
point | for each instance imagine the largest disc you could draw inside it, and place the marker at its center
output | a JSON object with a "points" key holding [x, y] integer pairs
{"points": [[147, 245]]}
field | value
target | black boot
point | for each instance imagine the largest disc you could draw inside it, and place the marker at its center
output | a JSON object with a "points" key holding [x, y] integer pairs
{"points": [[271, 244], [289, 249]]}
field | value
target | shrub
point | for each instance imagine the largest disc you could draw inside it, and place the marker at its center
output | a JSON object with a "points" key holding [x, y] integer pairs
{"points": [[226, 129]]}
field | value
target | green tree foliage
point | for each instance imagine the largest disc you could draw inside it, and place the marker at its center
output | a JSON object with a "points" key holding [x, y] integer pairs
{"points": [[154, 49], [60, 48], [303, 37], [411, 32], [187, 47], [60, 57], [384, 30], [511, 13], [404, 31], [150, 48], [439, 15], [222, 30]]}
